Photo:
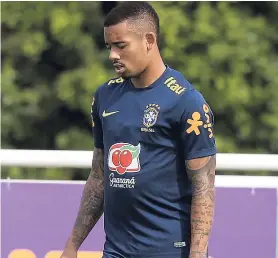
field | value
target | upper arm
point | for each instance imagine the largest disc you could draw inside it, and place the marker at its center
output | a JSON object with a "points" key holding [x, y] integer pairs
{"points": [[198, 142], [201, 172], [96, 122], [196, 126], [97, 170]]}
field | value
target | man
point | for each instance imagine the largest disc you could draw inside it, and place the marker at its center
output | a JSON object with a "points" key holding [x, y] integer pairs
{"points": [[154, 162]]}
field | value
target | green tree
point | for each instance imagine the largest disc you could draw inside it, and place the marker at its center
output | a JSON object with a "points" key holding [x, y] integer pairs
{"points": [[53, 59], [51, 67], [229, 55]]}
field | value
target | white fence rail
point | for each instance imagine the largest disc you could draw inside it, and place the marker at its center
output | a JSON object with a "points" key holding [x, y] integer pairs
{"points": [[224, 181], [83, 159]]}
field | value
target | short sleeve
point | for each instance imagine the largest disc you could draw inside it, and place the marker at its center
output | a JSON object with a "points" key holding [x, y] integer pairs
{"points": [[196, 126], [96, 123]]}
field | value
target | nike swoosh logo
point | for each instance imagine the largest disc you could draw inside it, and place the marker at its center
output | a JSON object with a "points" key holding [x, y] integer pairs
{"points": [[104, 114]]}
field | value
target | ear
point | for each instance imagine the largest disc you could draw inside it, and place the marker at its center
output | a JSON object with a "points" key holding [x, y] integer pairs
{"points": [[150, 40]]}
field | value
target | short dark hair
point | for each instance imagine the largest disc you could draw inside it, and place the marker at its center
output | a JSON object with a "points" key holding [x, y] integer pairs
{"points": [[133, 11]]}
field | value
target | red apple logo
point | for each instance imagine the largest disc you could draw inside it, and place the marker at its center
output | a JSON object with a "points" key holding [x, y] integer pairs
{"points": [[124, 157]]}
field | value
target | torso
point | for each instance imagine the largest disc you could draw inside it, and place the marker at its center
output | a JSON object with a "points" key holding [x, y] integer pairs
{"points": [[147, 193]]}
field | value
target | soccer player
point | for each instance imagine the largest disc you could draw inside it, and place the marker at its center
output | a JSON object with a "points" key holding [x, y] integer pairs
{"points": [[153, 166]]}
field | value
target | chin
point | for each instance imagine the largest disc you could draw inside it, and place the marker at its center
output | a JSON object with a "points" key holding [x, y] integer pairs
{"points": [[131, 75], [126, 75]]}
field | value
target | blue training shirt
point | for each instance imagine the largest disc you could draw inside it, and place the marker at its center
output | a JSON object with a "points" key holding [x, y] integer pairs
{"points": [[147, 135]]}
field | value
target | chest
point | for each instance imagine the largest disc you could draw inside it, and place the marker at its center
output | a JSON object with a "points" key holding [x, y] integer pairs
{"points": [[141, 115]]}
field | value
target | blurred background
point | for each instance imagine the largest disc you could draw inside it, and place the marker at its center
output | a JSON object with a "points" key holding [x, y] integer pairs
{"points": [[53, 58]]}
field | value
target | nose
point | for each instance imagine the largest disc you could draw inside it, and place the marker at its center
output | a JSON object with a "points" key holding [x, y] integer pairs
{"points": [[113, 56]]}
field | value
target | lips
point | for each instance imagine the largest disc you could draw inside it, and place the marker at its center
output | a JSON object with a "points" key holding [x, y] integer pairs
{"points": [[118, 65], [119, 68]]}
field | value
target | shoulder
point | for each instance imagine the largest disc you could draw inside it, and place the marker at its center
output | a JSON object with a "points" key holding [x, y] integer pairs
{"points": [[115, 81], [187, 97], [110, 84], [193, 101], [188, 91], [176, 84]]}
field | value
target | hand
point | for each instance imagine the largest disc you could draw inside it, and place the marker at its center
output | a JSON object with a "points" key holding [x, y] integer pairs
{"points": [[195, 254], [69, 253]]}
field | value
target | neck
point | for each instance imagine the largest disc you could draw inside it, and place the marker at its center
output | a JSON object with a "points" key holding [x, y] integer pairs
{"points": [[150, 74]]}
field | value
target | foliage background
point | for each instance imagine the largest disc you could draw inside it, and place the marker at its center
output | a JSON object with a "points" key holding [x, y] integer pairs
{"points": [[54, 58]]}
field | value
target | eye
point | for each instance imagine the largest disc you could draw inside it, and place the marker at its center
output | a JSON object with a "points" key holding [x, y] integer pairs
{"points": [[121, 45], [108, 47]]}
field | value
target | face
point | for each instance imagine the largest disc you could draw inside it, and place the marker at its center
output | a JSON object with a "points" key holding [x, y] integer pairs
{"points": [[128, 50]]}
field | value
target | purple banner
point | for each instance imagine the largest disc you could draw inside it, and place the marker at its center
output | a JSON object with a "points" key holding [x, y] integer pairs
{"points": [[37, 218]]}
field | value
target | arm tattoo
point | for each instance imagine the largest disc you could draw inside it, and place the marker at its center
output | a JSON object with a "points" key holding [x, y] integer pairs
{"points": [[201, 173], [91, 207]]}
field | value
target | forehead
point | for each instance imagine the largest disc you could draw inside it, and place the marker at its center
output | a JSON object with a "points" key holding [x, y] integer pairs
{"points": [[118, 32]]}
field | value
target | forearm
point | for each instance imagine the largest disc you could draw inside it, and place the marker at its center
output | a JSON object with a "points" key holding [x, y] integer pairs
{"points": [[91, 209], [202, 207], [202, 210], [91, 206]]}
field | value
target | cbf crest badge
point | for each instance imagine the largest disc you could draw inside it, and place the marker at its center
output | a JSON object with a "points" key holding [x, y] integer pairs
{"points": [[150, 117]]}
